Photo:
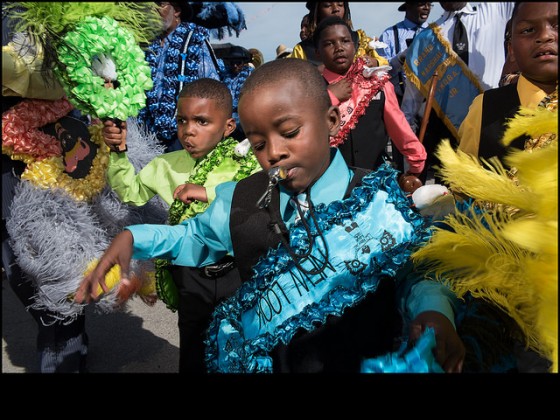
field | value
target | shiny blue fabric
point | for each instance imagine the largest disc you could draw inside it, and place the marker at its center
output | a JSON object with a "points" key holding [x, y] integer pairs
{"points": [[368, 235], [419, 359]]}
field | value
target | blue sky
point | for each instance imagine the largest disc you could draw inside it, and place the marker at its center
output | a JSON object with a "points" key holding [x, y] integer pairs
{"points": [[271, 24]]}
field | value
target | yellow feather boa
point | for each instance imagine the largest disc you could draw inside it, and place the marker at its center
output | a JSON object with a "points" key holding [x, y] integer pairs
{"points": [[509, 255]]}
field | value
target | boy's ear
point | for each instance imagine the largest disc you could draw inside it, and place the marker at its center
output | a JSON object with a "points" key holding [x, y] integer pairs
{"points": [[333, 117], [230, 127]]}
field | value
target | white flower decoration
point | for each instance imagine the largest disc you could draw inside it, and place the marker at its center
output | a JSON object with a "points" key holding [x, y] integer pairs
{"points": [[242, 148], [428, 194], [379, 71], [377, 44]]}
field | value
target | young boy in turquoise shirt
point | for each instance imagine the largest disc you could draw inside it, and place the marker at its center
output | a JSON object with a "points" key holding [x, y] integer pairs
{"points": [[318, 293]]}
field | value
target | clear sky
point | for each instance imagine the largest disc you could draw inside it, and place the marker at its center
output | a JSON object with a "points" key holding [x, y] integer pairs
{"points": [[272, 24]]}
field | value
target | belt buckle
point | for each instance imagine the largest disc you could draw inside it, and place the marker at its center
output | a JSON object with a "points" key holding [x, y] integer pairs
{"points": [[217, 270], [208, 273]]}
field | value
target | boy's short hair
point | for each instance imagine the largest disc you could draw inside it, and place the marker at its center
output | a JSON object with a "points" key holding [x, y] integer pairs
{"points": [[277, 71], [209, 89], [324, 24]]}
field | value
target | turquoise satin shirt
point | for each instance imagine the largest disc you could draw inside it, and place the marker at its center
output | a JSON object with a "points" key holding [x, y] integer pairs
{"points": [[205, 239]]}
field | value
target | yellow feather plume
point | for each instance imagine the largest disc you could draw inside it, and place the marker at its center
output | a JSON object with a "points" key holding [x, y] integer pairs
{"points": [[507, 257], [533, 122], [465, 175], [113, 277]]}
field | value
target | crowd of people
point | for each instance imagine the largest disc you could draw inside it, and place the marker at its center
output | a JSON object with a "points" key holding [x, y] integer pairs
{"points": [[287, 210]]}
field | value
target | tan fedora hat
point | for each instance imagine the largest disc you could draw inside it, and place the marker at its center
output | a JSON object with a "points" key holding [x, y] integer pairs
{"points": [[282, 51]]}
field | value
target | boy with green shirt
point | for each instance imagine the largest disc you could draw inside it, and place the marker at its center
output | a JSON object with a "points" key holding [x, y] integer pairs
{"points": [[186, 180]]}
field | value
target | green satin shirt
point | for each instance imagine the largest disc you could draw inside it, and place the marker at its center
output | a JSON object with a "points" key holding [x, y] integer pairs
{"points": [[162, 175]]}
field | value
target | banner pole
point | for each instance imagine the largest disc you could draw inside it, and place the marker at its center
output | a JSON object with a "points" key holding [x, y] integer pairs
{"points": [[428, 109]]}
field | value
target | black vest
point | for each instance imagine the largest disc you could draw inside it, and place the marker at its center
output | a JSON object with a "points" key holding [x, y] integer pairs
{"points": [[366, 330], [365, 144], [498, 105], [309, 50], [249, 224]]}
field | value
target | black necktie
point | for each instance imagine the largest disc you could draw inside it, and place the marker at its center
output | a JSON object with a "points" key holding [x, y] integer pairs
{"points": [[295, 205], [460, 39]]}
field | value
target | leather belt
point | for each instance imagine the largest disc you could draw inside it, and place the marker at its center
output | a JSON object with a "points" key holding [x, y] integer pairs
{"points": [[224, 266]]}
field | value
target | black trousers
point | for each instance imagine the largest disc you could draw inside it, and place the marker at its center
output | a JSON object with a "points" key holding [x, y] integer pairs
{"points": [[369, 329], [198, 296]]}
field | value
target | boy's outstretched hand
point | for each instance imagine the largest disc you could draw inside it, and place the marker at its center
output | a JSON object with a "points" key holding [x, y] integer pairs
{"points": [[450, 350], [119, 252]]}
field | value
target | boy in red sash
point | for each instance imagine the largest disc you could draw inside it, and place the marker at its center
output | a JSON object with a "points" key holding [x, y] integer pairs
{"points": [[368, 105]]}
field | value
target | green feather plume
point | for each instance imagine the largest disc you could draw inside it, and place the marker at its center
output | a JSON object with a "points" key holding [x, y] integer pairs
{"points": [[42, 19], [47, 23]]}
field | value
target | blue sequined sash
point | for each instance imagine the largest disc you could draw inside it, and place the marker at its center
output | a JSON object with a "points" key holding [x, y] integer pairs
{"points": [[368, 235]]}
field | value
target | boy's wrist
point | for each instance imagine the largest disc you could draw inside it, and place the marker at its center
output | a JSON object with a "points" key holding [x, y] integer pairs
{"points": [[116, 149]]}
